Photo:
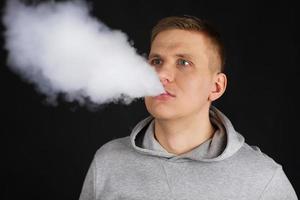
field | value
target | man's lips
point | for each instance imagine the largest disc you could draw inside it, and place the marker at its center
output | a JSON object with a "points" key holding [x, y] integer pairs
{"points": [[166, 93]]}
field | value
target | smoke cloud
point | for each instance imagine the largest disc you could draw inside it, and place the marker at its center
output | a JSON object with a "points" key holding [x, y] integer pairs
{"points": [[63, 50]]}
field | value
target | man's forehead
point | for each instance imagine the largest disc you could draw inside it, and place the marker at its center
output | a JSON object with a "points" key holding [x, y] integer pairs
{"points": [[175, 37], [174, 43], [178, 43], [176, 49]]}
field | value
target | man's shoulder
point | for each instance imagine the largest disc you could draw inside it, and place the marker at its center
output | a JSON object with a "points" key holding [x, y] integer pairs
{"points": [[266, 172], [254, 158], [114, 148]]}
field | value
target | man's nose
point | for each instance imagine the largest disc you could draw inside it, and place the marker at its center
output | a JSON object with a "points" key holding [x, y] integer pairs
{"points": [[166, 74]]}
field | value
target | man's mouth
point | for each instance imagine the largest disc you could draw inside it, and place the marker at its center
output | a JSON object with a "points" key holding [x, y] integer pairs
{"points": [[165, 96], [168, 93]]}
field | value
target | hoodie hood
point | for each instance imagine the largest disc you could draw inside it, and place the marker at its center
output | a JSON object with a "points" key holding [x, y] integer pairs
{"points": [[224, 143]]}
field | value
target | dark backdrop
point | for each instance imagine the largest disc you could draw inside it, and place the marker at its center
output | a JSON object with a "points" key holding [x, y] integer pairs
{"points": [[46, 151]]}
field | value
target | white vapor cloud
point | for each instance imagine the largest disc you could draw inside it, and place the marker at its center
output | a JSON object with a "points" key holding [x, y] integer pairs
{"points": [[63, 50]]}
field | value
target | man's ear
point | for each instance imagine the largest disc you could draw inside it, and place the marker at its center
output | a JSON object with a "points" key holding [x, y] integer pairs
{"points": [[219, 86]]}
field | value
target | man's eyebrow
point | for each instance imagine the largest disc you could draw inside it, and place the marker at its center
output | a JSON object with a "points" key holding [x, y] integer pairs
{"points": [[188, 56], [154, 56]]}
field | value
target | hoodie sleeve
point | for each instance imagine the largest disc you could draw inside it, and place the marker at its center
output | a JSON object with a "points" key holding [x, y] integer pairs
{"points": [[88, 189], [279, 187]]}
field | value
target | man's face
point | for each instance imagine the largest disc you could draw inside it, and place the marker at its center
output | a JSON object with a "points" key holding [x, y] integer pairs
{"points": [[182, 60]]}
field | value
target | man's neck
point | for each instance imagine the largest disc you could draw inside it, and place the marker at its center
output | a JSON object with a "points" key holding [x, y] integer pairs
{"points": [[181, 135]]}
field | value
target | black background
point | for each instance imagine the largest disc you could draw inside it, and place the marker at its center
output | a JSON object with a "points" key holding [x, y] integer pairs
{"points": [[46, 150]]}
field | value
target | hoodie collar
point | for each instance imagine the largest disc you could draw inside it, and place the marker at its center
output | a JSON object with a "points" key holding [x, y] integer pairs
{"points": [[224, 143]]}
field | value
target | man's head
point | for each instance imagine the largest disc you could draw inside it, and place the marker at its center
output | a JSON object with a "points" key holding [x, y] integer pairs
{"points": [[188, 56], [190, 23]]}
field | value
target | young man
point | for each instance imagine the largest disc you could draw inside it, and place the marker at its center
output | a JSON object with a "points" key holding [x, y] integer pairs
{"points": [[186, 149]]}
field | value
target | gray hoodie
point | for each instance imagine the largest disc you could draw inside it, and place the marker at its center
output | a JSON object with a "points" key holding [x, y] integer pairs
{"points": [[224, 167]]}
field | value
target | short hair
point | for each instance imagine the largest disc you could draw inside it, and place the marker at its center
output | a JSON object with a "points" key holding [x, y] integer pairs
{"points": [[192, 23]]}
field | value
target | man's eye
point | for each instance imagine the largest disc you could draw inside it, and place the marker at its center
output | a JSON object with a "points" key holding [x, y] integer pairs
{"points": [[155, 61], [183, 62]]}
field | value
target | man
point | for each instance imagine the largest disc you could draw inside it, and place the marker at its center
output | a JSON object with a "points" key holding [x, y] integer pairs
{"points": [[187, 148]]}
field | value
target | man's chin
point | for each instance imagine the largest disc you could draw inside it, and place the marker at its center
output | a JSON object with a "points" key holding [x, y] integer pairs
{"points": [[161, 111], [163, 116]]}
